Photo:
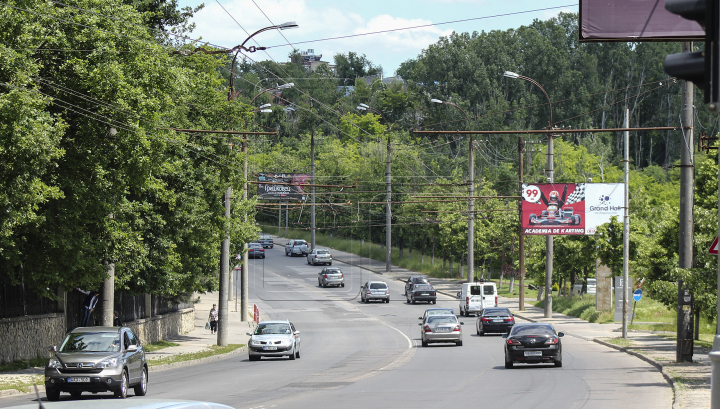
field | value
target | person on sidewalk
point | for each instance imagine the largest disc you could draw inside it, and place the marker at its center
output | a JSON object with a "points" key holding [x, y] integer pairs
{"points": [[213, 318], [117, 322], [91, 299]]}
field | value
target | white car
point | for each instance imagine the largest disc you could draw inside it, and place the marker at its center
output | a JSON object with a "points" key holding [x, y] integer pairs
{"points": [[274, 339], [319, 256]]}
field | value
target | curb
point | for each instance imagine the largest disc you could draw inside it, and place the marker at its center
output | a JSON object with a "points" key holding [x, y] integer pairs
{"points": [[160, 368]]}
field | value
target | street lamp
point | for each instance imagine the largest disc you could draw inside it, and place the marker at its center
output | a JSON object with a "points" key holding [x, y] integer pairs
{"points": [[550, 179], [388, 187], [283, 86], [471, 200]]}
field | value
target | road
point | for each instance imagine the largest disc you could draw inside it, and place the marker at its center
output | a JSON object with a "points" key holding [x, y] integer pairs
{"points": [[357, 355]]}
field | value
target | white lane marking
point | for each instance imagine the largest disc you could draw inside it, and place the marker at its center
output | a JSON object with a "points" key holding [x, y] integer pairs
{"points": [[410, 343]]}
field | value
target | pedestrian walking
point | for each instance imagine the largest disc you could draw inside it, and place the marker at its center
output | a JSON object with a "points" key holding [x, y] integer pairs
{"points": [[117, 322], [91, 299], [213, 319]]}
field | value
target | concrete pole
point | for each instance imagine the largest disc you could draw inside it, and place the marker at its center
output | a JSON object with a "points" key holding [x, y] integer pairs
{"points": [[715, 376], [222, 332], [521, 246], [312, 188], [549, 238], [108, 294], [626, 227], [287, 206], [245, 261], [388, 210], [279, 219], [471, 214]]}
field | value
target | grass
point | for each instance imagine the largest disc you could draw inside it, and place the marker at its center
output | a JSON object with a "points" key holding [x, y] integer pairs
{"points": [[619, 342], [583, 308], [22, 383], [211, 351], [155, 346], [23, 364]]}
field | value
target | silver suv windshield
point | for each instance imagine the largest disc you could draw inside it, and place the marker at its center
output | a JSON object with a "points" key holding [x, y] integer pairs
{"points": [[272, 328], [91, 342]]}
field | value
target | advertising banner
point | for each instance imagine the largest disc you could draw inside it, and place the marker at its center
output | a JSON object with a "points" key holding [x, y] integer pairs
{"points": [[569, 208], [282, 186]]}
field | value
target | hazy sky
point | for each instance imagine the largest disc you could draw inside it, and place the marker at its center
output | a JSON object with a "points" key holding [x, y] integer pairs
{"points": [[322, 19]]}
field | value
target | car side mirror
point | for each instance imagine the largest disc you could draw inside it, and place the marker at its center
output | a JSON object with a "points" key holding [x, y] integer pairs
{"points": [[419, 318], [462, 323], [297, 332], [420, 323], [459, 294], [248, 333], [505, 335], [52, 349], [131, 348], [560, 334]]}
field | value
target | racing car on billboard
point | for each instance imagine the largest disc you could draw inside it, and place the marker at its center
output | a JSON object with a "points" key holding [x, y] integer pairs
{"points": [[555, 216]]}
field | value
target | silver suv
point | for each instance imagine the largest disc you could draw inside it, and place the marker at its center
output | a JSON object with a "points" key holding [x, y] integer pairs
{"points": [[97, 359], [296, 247]]}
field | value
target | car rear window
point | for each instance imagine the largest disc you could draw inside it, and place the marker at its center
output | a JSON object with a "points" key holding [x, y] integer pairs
{"points": [[533, 329], [333, 271], [420, 280], [496, 312], [378, 285], [475, 290], [440, 312], [300, 242], [323, 252], [423, 287], [442, 319], [489, 289]]}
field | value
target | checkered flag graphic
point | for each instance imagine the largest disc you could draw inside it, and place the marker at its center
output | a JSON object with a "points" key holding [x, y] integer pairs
{"points": [[578, 195]]}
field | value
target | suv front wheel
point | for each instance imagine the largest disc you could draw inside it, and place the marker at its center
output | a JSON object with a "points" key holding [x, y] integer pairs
{"points": [[121, 392]]}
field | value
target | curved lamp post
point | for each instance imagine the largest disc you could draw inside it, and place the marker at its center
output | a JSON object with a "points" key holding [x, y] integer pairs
{"points": [[550, 179], [471, 200], [388, 186]]}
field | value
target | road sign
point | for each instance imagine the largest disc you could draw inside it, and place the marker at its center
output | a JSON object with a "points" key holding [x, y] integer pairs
{"points": [[637, 295], [714, 246]]}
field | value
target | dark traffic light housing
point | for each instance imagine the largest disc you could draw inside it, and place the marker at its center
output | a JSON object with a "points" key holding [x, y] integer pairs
{"points": [[702, 68]]}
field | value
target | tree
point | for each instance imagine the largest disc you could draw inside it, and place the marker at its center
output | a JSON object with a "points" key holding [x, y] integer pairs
{"points": [[352, 65]]}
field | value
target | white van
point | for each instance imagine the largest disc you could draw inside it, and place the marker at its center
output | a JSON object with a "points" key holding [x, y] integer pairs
{"points": [[475, 297], [591, 286]]}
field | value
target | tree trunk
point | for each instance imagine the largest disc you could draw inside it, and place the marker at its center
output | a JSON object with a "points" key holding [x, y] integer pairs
{"points": [[512, 283], [432, 255], [451, 267], [444, 260], [422, 252], [400, 244], [541, 289]]}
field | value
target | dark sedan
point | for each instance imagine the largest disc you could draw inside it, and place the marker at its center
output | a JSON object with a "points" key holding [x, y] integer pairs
{"points": [[410, 283], [256, 250], [494, 320], [533, 343], [421, 292]]}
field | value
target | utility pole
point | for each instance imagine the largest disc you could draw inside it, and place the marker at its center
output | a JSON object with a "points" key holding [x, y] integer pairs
{"points": [[684, 349], [471, 214], [549, 238], [521, 238], [312, 187], [108, 300], [222, 332], [626, 227], [245, 261], [388, 214]]}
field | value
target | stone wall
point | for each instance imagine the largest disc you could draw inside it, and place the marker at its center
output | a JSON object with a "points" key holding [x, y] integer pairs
{"points": [[166, 326], [30, 336]]}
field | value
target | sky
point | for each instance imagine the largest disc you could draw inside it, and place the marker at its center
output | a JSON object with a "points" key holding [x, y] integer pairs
{"points": [[228, 23]]}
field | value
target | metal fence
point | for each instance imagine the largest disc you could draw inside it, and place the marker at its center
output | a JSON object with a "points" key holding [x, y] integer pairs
{"points": [[18, 300]]}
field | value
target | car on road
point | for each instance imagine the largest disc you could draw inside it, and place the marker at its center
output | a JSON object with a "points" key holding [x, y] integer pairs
{"points": [[274, 339], [421, 292], [331, 276], [296, 248], [266, 240], [97, 359], [533, 343], [256, 250], [441, 328], [437, 311], [319, 256], [375, 290], [496, 319], [410, 283], [476, 296]]}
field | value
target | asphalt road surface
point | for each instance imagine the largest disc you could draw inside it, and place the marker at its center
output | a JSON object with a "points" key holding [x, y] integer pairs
{"points": [[356, 355]]}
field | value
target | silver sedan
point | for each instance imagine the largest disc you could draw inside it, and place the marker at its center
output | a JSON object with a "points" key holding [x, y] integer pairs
{"points": [[441, 328], [319, 256], [274, 339], [331, 276]]}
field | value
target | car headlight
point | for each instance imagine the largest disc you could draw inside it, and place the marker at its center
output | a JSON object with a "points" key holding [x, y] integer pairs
{"points": [[108, 363], [254, 342], [54, 363]]}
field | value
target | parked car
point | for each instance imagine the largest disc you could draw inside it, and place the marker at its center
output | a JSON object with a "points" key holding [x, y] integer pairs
{"points": [[441, 328], [296, 247], [421, 292], [97, 359], [475, 297], [319, 256], [331, 276], [437, 311], [274, 339], [533, 343], [266, 240], [494, 320], [580, 288], [375, 290], [410, 283], [256, 250]]}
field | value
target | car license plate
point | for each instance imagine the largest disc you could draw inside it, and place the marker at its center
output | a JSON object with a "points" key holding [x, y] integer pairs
{"points": [[497, 320], [425, 294], [443, 329], [533, 353], [269, 348], [76, 379]]}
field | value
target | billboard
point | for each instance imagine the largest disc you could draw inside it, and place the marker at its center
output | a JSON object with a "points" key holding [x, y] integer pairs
{"points": [[569, 208], [634, 20], [282, 186]]}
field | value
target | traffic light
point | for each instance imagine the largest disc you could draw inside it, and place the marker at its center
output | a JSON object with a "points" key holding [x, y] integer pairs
{"points": [[699, 67]]}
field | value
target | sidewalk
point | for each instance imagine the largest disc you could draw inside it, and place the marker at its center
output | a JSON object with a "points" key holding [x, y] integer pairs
{"points": [[690, 380]]}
